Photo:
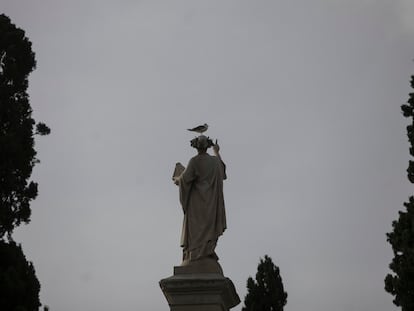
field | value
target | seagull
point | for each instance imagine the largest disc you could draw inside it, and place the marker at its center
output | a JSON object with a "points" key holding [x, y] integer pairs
{"points": [[199, 129]]}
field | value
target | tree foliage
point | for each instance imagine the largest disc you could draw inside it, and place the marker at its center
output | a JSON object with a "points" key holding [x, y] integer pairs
{"points": [[400, 284], [19, 287], [266, 293], [17, 153]]}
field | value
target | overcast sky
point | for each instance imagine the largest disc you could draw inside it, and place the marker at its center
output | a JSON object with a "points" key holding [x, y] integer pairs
{"points": [[304, 99]]}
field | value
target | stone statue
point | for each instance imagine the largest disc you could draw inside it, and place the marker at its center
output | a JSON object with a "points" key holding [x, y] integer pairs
{"points": [[201, 197], [199, 283]]}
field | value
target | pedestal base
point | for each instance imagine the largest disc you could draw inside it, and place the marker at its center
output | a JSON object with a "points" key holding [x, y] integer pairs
{"points": [[199, 292]]}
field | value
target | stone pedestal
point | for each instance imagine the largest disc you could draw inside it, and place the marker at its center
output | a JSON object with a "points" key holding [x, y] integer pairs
{"points": [[190, 290]]}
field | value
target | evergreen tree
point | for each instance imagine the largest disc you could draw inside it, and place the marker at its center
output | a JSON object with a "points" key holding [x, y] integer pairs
{"points": [[400, 284], [266, 293], [19, 287], [17, 154]]}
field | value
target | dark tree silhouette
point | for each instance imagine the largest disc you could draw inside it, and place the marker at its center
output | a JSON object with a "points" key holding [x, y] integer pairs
{"points": [[266, 293], [19, 287], [17, 154], [400, 284]]}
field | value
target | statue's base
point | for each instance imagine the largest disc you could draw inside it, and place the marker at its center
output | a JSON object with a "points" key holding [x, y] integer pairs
{"points": [[191, 290], [205, 265]]}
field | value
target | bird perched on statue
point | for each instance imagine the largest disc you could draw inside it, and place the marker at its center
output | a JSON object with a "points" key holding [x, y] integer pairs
{"points": [[200, 129]]}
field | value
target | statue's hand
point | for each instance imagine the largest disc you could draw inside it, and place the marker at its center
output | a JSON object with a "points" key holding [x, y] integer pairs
{"points": [[216, 148]]}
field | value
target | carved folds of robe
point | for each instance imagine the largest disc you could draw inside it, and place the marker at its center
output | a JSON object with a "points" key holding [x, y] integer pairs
{"points": [[201, 196]]}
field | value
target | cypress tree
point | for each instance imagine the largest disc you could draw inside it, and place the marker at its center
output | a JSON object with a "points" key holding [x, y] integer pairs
{"points": [[19, 286], [266, 292], [400, 283]]}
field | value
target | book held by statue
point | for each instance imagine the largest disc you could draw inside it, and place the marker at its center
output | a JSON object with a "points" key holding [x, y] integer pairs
{"points": [[178, 170]]}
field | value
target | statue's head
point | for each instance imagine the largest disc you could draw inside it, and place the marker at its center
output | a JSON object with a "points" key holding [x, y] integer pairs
{"points": [[201, 143]]}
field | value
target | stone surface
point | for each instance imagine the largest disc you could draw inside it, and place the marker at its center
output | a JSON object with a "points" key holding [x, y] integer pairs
{"points": [[205, 265], [199, 292]]}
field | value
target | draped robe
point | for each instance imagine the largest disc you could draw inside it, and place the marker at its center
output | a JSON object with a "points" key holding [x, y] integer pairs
{"points": [[201, 197]]}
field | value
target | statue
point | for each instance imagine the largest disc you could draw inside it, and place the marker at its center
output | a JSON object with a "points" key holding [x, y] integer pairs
{"points": [[201, 197], [199, 282]]}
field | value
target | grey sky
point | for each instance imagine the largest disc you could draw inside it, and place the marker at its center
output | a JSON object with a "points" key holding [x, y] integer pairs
{"points": [[304, 98]]}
